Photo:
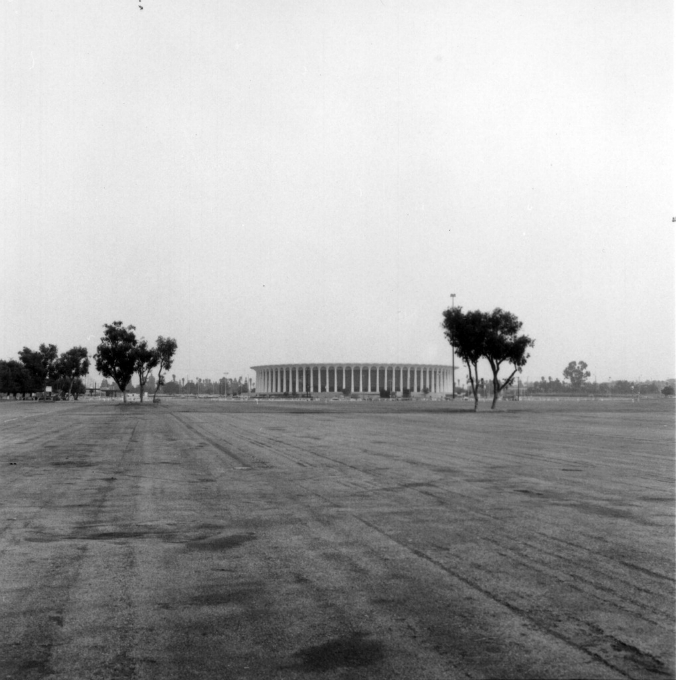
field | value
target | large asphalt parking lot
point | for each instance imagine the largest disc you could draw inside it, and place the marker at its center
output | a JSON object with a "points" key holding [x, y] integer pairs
{"points": [[207, 539]]}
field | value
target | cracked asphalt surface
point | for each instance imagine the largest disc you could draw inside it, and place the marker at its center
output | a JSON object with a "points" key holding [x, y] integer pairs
{"points": [[211, 539]]}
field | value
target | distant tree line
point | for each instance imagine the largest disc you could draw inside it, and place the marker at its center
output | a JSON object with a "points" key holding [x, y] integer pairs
{"points": [[38, 370], [576, 381], [227, 387]]}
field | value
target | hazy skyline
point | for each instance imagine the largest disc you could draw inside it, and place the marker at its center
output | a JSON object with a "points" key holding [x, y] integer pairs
{"points": [[284, 182]]}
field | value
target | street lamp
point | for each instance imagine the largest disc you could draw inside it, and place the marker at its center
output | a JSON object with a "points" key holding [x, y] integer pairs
{"points": [[453, 354]]}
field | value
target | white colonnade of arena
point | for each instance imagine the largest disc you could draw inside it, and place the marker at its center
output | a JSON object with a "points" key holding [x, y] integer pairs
{"points": [[356, 378]]}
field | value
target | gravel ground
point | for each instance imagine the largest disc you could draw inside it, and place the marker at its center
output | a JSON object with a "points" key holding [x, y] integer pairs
{"points": [[200, 539]]}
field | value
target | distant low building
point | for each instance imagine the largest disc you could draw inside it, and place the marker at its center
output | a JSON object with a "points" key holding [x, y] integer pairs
{"points": [[366, 378]]}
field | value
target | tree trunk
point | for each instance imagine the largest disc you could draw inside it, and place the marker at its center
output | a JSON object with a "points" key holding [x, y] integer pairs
{"points": [[474, 382], [496, 390], [157, 385], [124, 396]]}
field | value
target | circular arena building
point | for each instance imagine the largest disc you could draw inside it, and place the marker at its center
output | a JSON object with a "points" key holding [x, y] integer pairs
{"points": [[366, 378]]}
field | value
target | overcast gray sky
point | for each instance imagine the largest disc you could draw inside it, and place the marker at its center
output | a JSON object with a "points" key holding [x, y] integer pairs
{"points": [[296, 181]]}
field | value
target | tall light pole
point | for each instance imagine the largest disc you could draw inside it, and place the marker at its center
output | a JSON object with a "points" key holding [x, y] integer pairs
{"points": [[453, 354]]}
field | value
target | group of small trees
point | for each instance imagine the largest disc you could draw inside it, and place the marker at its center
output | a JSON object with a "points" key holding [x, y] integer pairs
{"points": [[120, 355], [493, 336], [45, 367]]}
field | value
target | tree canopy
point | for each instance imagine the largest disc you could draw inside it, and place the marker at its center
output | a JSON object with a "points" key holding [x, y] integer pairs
{"points": [[493, 336], [145, 359], [576, 373], [14, 378], [40, 365], [71, 366], [466, 331], [165, 350], [115, 357], [503, 345]]}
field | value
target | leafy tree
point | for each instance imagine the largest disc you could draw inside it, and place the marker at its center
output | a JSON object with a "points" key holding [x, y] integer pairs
{"points": [[172, 387], [71, 366], [145, 359], [467, 332], [115, 357], [165, 349], [576, 374], [503, 344], [15, 378], [668, 391], [40, 364]]}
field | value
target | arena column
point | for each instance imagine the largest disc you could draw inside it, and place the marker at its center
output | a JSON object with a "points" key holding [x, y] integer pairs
{"points": [[352, 378], [378, 379]]}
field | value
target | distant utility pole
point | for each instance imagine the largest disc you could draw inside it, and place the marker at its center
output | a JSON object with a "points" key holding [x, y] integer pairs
{"points": [[453, 354]]}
